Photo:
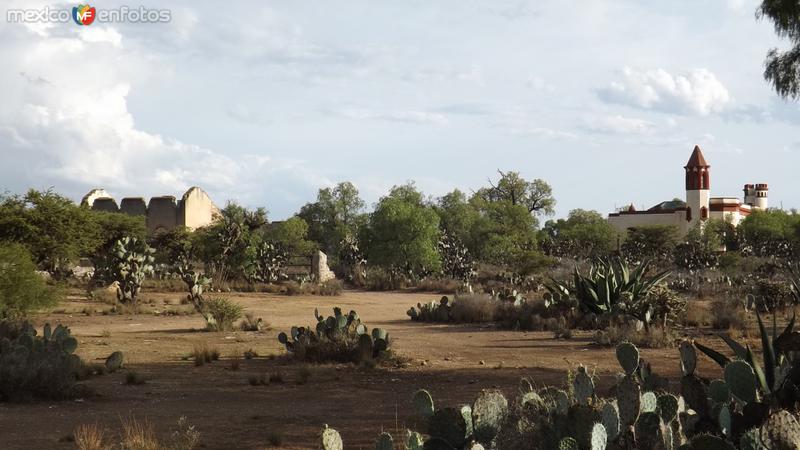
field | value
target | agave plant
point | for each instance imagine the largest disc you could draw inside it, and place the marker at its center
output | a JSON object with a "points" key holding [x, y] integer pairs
{"points": [[778, 377], [612, 287]]}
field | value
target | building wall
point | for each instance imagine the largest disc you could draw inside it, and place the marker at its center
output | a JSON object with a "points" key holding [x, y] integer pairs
{"points": [[623, 221], [196, 209], [133, 206], [161, 214]]}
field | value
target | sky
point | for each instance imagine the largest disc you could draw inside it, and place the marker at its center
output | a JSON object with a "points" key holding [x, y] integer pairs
{"points": [[265, 102]]}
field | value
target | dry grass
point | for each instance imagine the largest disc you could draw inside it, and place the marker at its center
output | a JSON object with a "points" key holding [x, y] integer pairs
{"points": [[90, 437], [139, 435], [726, 315], [473, 308], [203, 354], [696, 314], [656, 337]]}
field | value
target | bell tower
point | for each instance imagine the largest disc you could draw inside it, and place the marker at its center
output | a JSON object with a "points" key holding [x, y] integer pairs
{"points": [[698, 185]]}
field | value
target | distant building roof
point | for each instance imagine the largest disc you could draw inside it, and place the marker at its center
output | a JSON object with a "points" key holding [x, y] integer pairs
{"points": [[697, 159], [669, 205]]}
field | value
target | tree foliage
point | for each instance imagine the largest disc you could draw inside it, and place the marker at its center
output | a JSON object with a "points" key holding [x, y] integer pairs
{"points": [[57, 232], [583, 234], [337, 213], [651, 242], [536, 196], [403, 232], [22, 290], [782, 68]]}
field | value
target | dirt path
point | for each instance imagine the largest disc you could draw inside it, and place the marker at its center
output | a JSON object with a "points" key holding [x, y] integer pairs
{"points": [[453, 361]]}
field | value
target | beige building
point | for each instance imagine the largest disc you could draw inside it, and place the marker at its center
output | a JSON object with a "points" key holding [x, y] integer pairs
{"points": [[194, 210], [699, 205]]}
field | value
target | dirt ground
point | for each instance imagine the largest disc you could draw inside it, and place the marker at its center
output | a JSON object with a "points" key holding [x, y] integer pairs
{"points": [[452, 361]]}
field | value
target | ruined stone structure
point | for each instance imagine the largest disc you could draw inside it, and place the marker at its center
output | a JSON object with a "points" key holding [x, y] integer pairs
{"points": [[194, 210], [319, 267], [699, 205]]}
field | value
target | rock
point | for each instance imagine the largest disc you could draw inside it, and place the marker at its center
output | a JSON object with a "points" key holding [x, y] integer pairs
{"points": [[482, 362], [114, 362]]}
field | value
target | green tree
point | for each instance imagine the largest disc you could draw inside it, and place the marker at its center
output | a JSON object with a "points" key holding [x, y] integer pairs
{"points": [[457, 216], [650, 242], [403, 232], [291, 235], [699, 249], [226, 246], [536, 196], [337, 213], [782, 68], [22, 290], [583, 234], [769, 233]]}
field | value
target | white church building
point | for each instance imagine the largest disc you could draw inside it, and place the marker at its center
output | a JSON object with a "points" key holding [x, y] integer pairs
{"points": [[699, 205]]}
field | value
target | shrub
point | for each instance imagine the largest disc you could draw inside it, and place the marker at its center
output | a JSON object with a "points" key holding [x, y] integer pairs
{"points": [[142, 436], [379, 279], [726, 315], [134, 378], [331, 288], [337, 338], [293, 288], [34, 366], [90, 437], [251, 323], [202, 354], [696, 314], [654, 337], [22, 290], [221, 313], [473, 308]]}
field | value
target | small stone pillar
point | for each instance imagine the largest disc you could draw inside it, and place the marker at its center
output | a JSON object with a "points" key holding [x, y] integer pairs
{"points": [[319, 267]]}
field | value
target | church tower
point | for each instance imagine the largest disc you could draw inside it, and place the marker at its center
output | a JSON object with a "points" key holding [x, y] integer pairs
{"points": [[698, 185]]}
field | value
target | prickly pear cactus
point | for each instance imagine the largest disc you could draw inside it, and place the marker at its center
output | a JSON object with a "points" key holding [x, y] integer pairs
{"points": [[448, 425], [599, 437], [741, 380], [568, 443], [668, 406], [628, 401], [751, 440], [610, 420], [688, 358], [114, 361], [384, 442], [647, 431], [583, 386], [331, 440], [414, 440], [423, 403], [628, 357], [781, 431], [709, 442], [649, 402], [719, 391], [488, 413]]}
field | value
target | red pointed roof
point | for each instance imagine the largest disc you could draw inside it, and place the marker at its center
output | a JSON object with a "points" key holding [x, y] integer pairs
{"points": [[697, 159]]}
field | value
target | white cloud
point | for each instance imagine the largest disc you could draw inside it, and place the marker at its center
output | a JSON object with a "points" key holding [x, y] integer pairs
{"points": [[620, 125], [68, 125], [404, 116], [697, 91]]}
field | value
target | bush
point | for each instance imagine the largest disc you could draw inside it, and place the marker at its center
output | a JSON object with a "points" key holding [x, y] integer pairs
{"points": [[379, 279], [473, 308], [330, 288], [34, 366], [696, 315], [654, 337], [726, 315], [251, 323], [221, 313], [22, 290]]}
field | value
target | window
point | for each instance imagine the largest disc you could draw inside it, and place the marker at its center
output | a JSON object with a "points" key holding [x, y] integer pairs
{"points": [[688, 214], [704, 213]]}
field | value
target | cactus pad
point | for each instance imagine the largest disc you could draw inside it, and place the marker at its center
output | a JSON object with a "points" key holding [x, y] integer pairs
{"points": [[628, 357], [488, 413], [599, 437], [688, 358], [331, 440], [423, 403], [568, 443], [628, 401], [610, 420], [741, 380], [649, 402], [668, 406], [448, 425], [583, 386], [384, 442], [719, 391]]}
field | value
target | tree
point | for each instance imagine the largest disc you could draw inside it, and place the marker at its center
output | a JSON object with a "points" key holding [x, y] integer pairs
{"points": [[699, 250], [457, 216], [226, 245], [337, 213], [22, 290], [403, 233], [584, 234], [57, 231], [770, 233], [291, 235], [536, 195], [650, 242], [782, 68]]}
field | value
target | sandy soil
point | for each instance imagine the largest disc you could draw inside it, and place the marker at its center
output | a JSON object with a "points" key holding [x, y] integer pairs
{"points": [[453, 361]]}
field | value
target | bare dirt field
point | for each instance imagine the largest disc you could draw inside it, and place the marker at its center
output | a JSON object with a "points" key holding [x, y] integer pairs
{"points": [[453, 361]]}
